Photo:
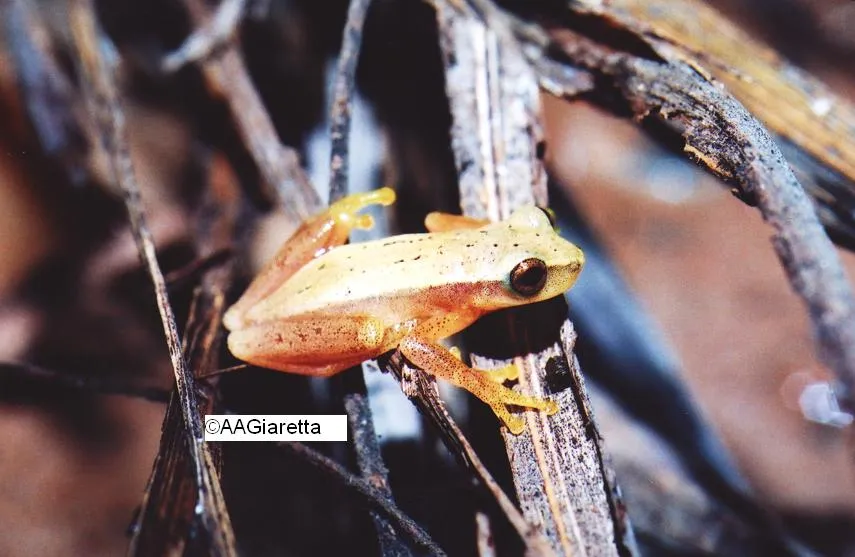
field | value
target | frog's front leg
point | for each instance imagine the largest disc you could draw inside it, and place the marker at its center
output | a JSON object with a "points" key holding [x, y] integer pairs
{"points": [[313, 238], [317, 345], [437, 360]]}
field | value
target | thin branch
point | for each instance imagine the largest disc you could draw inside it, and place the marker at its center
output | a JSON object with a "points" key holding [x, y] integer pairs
{"points": [[286, 183], [204, 40], [99, 385], [484, 536], [168, 498], [191, 272], [708, 134], [99, 80], [369, 458], [53, 105], [342, 103], [791, 103], [721, 135], [376, 497]]}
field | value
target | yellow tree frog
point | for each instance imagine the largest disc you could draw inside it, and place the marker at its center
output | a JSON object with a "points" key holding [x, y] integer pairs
{"points": [[322, 306]]}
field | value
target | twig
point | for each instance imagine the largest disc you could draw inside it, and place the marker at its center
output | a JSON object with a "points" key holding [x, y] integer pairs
{"points": [[53, 107], [484, 536], [668, 509], [204, 40], [790, 102], [287, 183], [580, 52], [630, 361], [724, 137], [99, 80], [100, 385], [342, 103], [375, 496], [369, 458], [192, 271], [167, 501]]}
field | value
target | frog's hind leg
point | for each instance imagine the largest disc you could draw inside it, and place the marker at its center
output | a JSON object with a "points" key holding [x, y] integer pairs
{"points": [[443, 222], [314, 237], [438, 361], [322, 345]]}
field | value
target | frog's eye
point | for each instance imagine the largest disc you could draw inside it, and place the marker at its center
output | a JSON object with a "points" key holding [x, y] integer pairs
{"points": [[529, 276]]}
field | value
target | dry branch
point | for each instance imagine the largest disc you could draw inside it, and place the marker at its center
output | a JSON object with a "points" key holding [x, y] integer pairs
{"points": [[342, 102], [496, 138], [791, 103], [813, 125], [227, 76], [216, 33], [168, 503], [53, 106], [377, 497], [725, 138], [88, 383], [722, 136], [369, 458], [100, 85]]}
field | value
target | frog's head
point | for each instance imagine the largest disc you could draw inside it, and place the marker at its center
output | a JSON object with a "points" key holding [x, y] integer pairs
{"points": [[538, 264]]}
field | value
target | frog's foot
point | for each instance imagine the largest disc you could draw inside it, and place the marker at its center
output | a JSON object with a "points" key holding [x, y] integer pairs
{"points": [[438, 361], [501, 397], [345, 210]]}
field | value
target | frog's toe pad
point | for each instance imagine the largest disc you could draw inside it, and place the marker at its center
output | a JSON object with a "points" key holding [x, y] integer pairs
{"points": [[509, 372], [345, 210], [355, 202], [508, 397], [515, 424], [551, 407]]}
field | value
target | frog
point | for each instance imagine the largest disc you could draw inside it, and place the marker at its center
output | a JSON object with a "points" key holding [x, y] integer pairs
{"points": [[322, 305]]}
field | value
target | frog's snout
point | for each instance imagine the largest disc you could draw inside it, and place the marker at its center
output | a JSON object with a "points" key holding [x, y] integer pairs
{"points": [[571, 268]]}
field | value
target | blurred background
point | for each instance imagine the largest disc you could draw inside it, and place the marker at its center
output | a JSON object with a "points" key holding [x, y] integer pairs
{"points": [[73, 298]]}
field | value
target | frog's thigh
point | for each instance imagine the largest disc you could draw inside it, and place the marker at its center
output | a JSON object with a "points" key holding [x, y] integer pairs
{"points": [[438, 361], [442, 222], [326, 230], [320, 345]]}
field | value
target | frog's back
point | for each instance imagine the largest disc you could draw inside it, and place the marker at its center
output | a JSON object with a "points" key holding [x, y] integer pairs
{"points": [[383, 277]]}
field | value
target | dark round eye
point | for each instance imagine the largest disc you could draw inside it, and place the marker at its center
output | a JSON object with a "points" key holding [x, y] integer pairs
{"points": [[529, 276], [550, 214]]}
